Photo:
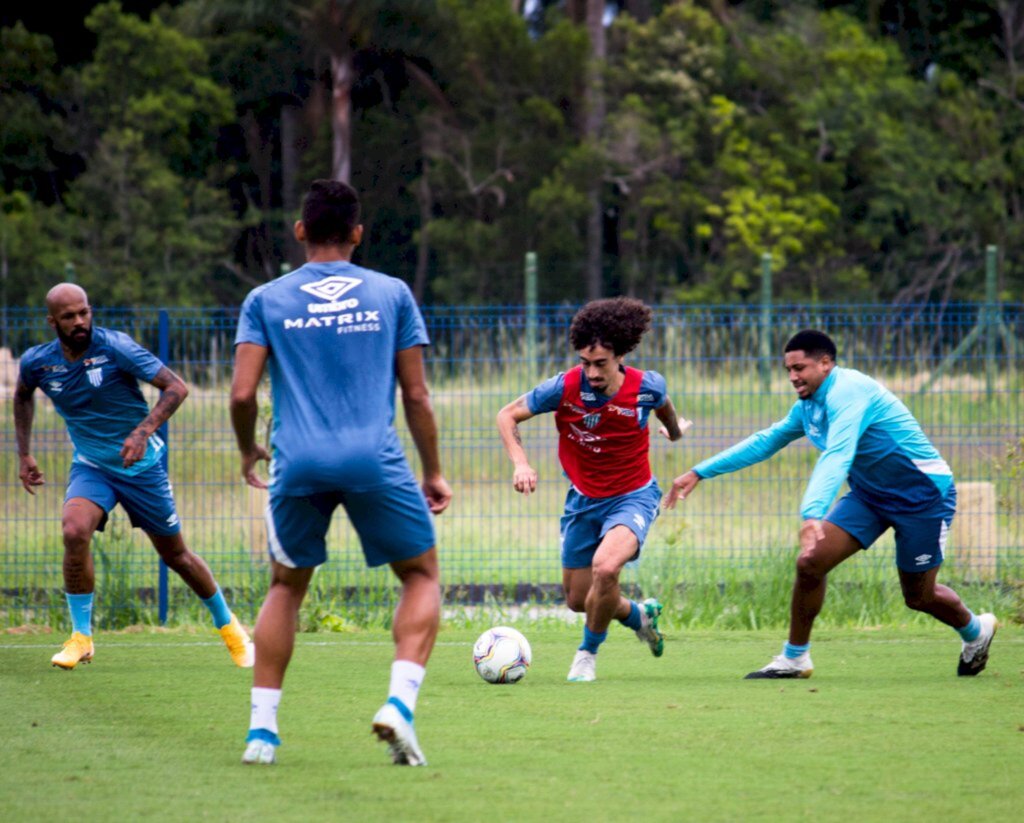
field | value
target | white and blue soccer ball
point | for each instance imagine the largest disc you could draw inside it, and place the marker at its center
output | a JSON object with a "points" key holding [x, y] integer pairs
{"points": [[502, 655]]}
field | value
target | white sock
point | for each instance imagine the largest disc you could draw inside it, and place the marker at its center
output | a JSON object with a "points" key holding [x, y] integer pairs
{"points": [[264, 709], [406, 679]]}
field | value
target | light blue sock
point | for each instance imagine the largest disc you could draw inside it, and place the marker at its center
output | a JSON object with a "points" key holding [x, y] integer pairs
{"points": [[592, 640], [80, 606], [970, 632], [634, 620], [218, 607], [793, 651]]}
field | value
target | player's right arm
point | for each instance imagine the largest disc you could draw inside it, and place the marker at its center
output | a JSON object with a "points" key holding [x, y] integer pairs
{"points": [[249, 362], [755, 448], [24, 412], [524, 478]]}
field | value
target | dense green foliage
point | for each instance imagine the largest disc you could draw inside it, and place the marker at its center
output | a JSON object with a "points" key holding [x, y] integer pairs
{"points": [[874, 148]]}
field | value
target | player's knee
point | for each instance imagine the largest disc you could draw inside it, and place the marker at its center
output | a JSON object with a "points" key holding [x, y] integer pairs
{"points": [[576, 601], [807, 565], [76, 536], [605, 576], [919, 601]]}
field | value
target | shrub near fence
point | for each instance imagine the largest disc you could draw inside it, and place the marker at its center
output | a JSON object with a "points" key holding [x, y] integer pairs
{"points": [[733, 542]]}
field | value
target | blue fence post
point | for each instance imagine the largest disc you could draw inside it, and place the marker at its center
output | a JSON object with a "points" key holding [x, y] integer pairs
{"points": [[164, 353]]}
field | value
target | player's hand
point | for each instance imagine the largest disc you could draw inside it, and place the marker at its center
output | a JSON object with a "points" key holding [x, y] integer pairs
{"points": [[681, 488], [438, 493], [524, 479], [29, 474], [134, 448], [810, 533], [249, 461], [684, 426]]}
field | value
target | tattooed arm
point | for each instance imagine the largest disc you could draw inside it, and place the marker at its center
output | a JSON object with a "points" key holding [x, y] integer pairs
{"points": [[24, 411], [173, 392], [524, 478]]}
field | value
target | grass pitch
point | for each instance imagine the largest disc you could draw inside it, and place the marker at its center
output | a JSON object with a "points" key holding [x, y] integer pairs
{"points": [[154, 729]]}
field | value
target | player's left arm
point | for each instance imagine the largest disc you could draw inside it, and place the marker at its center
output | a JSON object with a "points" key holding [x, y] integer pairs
{"points": [[673, 426], [848, 417], [173, 392], [419, 416]]}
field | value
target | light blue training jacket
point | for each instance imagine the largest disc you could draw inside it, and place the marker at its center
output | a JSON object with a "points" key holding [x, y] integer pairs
{"points": [[867, 438]]}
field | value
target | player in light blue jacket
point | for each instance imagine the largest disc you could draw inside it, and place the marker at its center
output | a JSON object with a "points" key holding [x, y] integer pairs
{"points": [[897, 479]]}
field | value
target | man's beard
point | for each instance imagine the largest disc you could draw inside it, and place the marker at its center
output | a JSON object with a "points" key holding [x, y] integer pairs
{"points": [[76, 342]]}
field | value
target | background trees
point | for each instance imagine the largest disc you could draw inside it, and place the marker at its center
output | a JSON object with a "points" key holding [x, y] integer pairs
{"points": [[873, 148]]}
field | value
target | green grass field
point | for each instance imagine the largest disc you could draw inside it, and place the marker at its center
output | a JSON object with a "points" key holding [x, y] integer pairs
{"points": [[884, 731]]}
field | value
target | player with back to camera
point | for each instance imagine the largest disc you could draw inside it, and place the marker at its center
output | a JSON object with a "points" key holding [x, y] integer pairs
{"points": [[897, 480], [91, 374], [601, 410], [335, 337]]}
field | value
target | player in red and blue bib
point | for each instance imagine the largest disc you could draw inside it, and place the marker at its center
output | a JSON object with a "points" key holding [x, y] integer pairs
{"points": [[601, 410], [92, 376]]}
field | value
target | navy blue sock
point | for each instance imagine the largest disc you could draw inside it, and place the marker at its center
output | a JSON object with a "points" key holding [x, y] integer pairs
{"points": [[592, 640], [634, 620]]}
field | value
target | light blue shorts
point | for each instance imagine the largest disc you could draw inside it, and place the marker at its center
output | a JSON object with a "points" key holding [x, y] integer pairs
{"points": [[146, 497], [393, 524], [588, 519], [920, 537]]}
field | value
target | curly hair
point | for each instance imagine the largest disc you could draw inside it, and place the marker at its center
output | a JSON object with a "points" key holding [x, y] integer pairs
{"points": [[616, 323]]}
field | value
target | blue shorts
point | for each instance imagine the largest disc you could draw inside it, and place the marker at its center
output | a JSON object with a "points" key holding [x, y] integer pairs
{"points": [[147, 497], [393, 524], [588, 519], [920, 537]]}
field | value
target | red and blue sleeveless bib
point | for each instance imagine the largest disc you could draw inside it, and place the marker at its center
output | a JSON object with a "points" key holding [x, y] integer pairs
{"points": [[603, 451]]}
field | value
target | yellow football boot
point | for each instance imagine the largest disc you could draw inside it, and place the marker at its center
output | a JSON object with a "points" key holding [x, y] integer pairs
{"points": [[76, 650], [236, 638]]}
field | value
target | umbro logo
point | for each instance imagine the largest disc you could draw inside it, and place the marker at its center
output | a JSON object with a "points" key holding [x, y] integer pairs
{"points": [[331, 288], [921, 559]]}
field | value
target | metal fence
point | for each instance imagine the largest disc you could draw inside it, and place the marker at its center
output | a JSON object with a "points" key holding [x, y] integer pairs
{"points": [[957, 367]]}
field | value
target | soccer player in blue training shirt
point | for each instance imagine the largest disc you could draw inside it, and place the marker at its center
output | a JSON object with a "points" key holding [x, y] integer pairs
{"points": [[91, 374], [335, 338], [897, 480], [601, 410]]}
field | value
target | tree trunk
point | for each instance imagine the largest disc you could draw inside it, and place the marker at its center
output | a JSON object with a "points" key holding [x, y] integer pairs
{"points": [[291, 155], [425, 199], [342, 74], [592, 131]]}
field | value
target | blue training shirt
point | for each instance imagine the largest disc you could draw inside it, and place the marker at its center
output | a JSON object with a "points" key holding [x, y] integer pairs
{"points": [[546, 396], [867, 437], [332, 331], [98, 396]]}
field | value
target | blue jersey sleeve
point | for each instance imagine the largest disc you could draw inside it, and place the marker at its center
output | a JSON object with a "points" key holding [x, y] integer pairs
{"points": [[133, 358], [546, 397], [250, 322], [848, 409], [759, 446], [653, 390], [412, 331], [25, 369]]}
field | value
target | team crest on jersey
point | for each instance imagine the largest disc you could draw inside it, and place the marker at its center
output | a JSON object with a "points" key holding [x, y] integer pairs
{"points": [[591, 420], [95, 376], [331, 288]]}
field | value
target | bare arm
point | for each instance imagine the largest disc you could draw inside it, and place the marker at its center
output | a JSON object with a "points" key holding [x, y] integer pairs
{"points": [[673, 427], [419, 415], [173, 392], [524, 478], [24, 412], [250, 360]]}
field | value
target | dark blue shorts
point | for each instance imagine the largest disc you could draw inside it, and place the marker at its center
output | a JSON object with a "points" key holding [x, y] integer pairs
{"points": [[588, 519], [147, 497], [920, 537], [393, 524]]}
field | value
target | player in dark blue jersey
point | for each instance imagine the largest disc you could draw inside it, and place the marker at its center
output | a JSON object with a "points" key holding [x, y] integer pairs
{"points": [[897, 480], [336, 338], [91, 374]]}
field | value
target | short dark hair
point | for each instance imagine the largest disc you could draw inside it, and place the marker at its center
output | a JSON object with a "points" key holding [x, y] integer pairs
{"points": [[330, 212], [617, 323], [813, 343]]}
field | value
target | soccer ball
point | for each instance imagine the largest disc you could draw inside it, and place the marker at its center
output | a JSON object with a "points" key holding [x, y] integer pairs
{"points": [[502, 655]]}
